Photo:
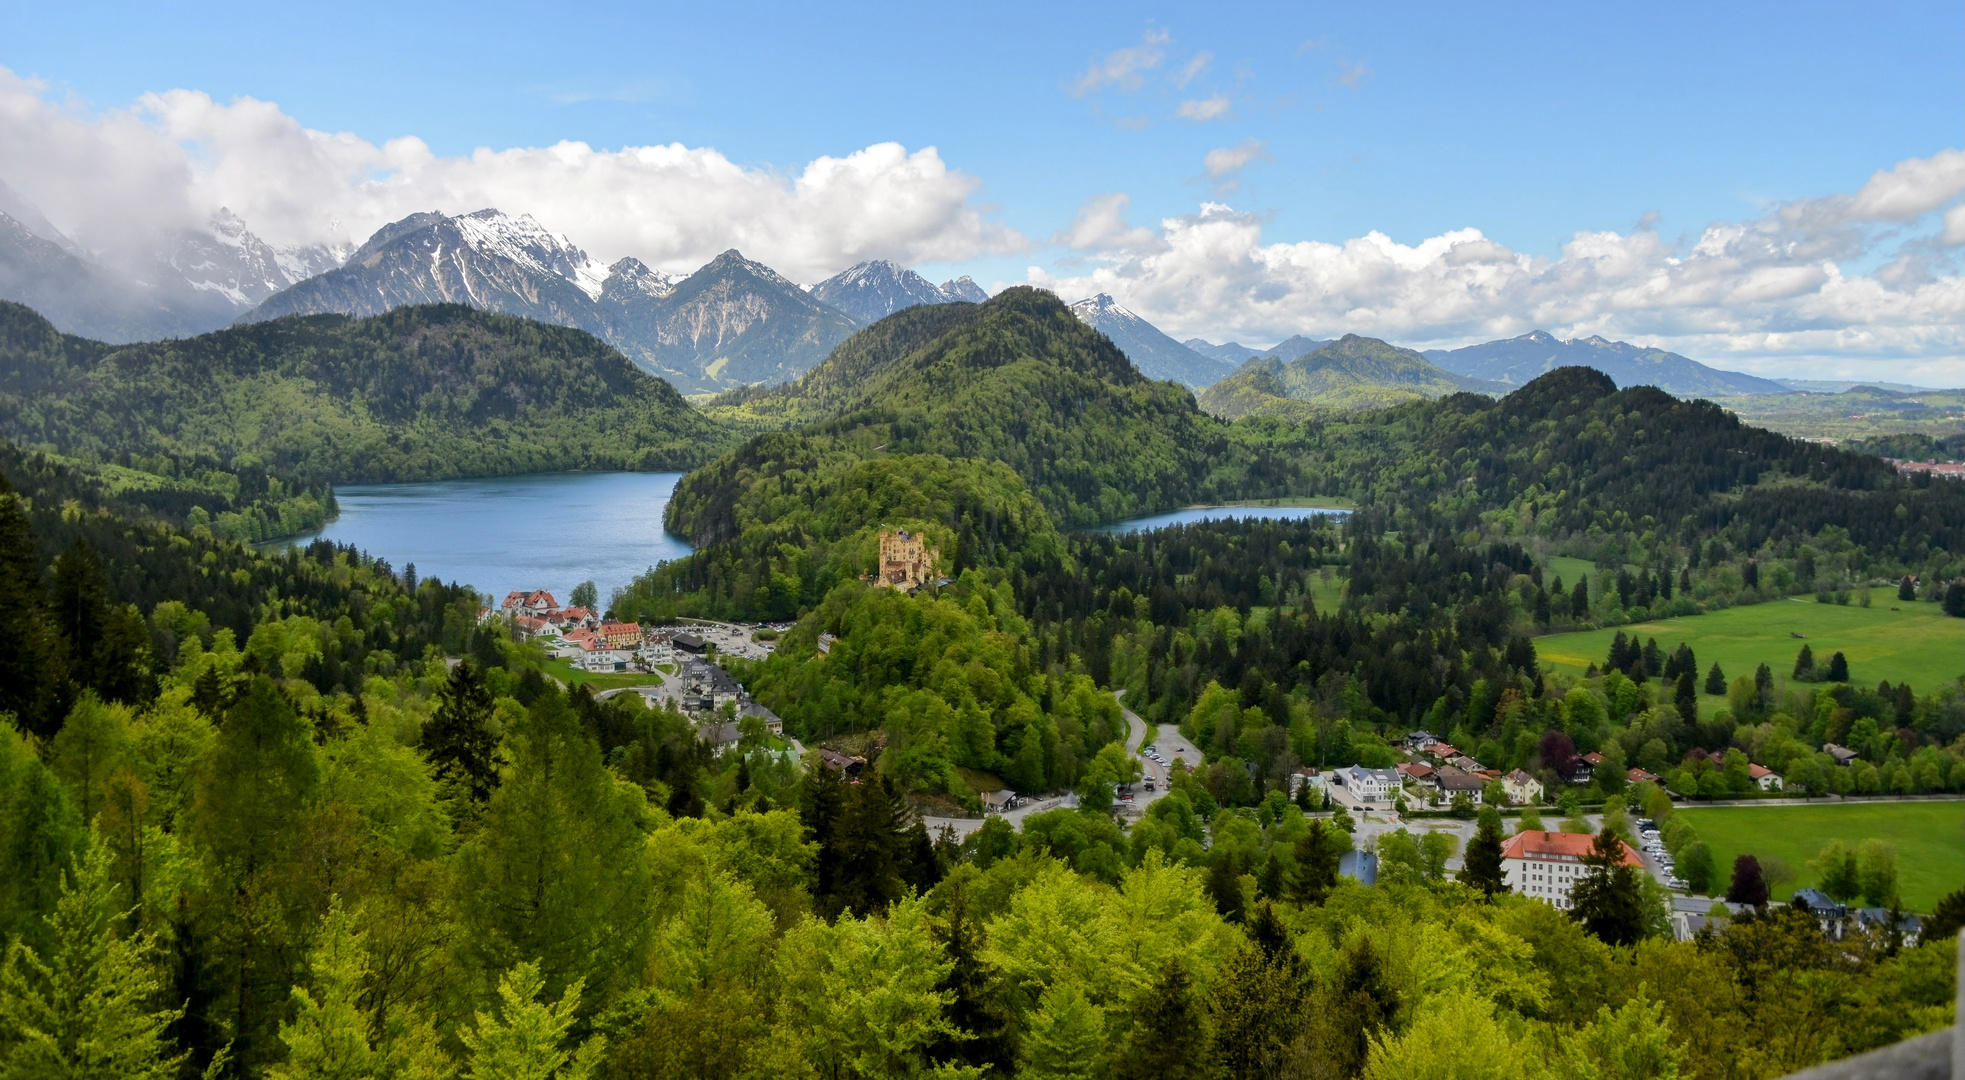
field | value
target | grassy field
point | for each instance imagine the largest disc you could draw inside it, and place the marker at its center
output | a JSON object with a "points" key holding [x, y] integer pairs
{"points": [[565, 672], [1569, 570], [1918, 644], [1328, 597], [1930, 839]]}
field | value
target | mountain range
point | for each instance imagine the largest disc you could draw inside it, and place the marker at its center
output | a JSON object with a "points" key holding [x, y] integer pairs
{"points": [[1156, 355], [874, 290], [1517, 361], [1350, 373]]}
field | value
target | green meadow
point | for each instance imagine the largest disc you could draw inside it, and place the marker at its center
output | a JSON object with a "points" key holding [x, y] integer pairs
{"points": [[1918, 644], [1930, 839]]}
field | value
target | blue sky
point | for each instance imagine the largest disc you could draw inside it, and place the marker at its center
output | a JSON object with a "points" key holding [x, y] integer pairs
{"points": [[1530, 123]]}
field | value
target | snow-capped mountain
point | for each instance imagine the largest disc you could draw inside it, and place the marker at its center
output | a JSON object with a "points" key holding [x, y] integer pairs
{"points": [[1156, 355], [874, 290], [964, 288], [180, 282], [730, 323], [227, 262]]}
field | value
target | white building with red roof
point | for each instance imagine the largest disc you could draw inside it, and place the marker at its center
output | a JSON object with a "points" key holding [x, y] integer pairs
{"points": [[1766, 778], [1547, 865], [535, 603]]}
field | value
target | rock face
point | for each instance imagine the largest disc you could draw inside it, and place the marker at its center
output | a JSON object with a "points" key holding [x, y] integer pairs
{"points": [[874, 290], [964, 288], [1517, 361], [1156, 355], [730, 323]]}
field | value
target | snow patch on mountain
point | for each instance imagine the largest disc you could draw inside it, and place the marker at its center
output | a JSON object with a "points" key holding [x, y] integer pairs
{"points": [[524, 241]]}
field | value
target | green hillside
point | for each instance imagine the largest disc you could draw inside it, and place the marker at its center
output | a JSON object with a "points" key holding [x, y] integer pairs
{"points": [[420, 393], [1348, 374]]}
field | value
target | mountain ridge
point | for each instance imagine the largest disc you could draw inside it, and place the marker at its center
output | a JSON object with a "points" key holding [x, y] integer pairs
{"points": [[1348, 374], [1155, 354], [1516, 361]]}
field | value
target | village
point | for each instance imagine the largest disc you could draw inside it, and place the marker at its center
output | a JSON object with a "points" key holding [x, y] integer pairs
{"points": [[1437, 788]]}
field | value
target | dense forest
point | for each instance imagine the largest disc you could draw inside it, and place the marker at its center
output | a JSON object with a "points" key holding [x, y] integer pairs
{"points": [[272, 832], [302, 814]]}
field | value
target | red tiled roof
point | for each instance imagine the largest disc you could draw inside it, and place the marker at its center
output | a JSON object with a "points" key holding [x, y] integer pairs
{"points": [[1755, 772], [1557, 845], [1593, 758], [1637, 775]]}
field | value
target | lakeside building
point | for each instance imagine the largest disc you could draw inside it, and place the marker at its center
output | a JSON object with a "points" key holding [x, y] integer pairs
{"points": [[1548, 865]]}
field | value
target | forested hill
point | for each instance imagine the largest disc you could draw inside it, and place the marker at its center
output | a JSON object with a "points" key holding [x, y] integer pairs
{"points": [[1019, 380], [419, 393], [1350, 373]]}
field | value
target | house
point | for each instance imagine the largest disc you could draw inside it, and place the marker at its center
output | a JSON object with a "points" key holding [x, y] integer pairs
{"points": [[1768, 779], [1369, 785], [1359, 866], [1417, 741], [995, 802], [906, 561], [1416, 770], [1307, 777], [535, 603], [842, 763], [1639, 776], [1466, 764], [1451, 781], [1548, 865], [825, 643], [526, 627], [720, 736], [1842, 754], [1593, 759], [771, 722], [574, 617], [1833, 916], [1442, 751], [597, 657], [689, 643], [1521, 788], [1876, 920], [707, 686], [621, 635]]}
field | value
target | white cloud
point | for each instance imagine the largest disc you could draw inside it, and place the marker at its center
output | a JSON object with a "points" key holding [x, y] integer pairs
{"points": [[1225, 165], [1124, 68], [1192, 68], [1100, 224], [170, 160], [1209, 108], [1765, 294]]}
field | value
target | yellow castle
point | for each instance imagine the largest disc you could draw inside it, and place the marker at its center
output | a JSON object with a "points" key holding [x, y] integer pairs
{"points": [[906, 561]]}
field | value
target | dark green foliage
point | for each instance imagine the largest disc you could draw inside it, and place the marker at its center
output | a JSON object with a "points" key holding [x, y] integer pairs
{"points": [[418, 393], [1804, 664], [40, 835], [459, 740], [1838, 670], [1607, 900], [33, 664], [1360, 1002], [1317, 854], [1257, 1009], [1947, 918], [1170, 1039], [1906, 591], [1715, 680], [1482, 864], [1685, 694], [1954, 602]]}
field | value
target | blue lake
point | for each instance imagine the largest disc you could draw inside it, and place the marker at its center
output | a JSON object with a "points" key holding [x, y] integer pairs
{"points": [[548, 531], [1216, 513]]}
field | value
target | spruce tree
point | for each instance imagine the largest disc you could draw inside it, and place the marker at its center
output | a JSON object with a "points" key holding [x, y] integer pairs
{"points": [[329, 1036], [822, 806], [1905, 590], [870, 850], [81, 605], [1954, 603], [83, 1007], [1685, 694], [1716, 680], [1804, 664], [1608, 900], [33, 665], [1255, 1009], [1579, 600], [461, 746], [1066, 1037], [1947, 918], [1482, 869], [1358, 1003], [1169, 1038], [1838, 668]]}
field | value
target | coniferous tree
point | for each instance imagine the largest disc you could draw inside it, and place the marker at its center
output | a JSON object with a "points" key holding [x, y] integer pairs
{"points": [[81, 605], [1947, 918], [40, 833], [822, 808], [33, 664], [1066, 1036], [528, 1039], [1750, 574], [1954, 603], [1685, 694], [1579, 599], [85, 1006], [1608, 899], [329, 1036], [978, 1039], [1541, 608], [1906, 591], [1317, 853], [1169, 1038], [870, 850], [1716, 680], [1256, 1007], [1359, 1003], [1838, 668], [458, 739], [1482, 868], [1654, 659], [1804, 664]]}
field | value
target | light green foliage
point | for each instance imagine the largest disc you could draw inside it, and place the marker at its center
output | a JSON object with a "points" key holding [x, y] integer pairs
{"points": [[1481, 1046], [1633, 1042], [91, 747], [39, 833], [1876, 872], [85, 1007], [861, 998], [527, 1039], [328, 1038], [1067, 1039]]}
